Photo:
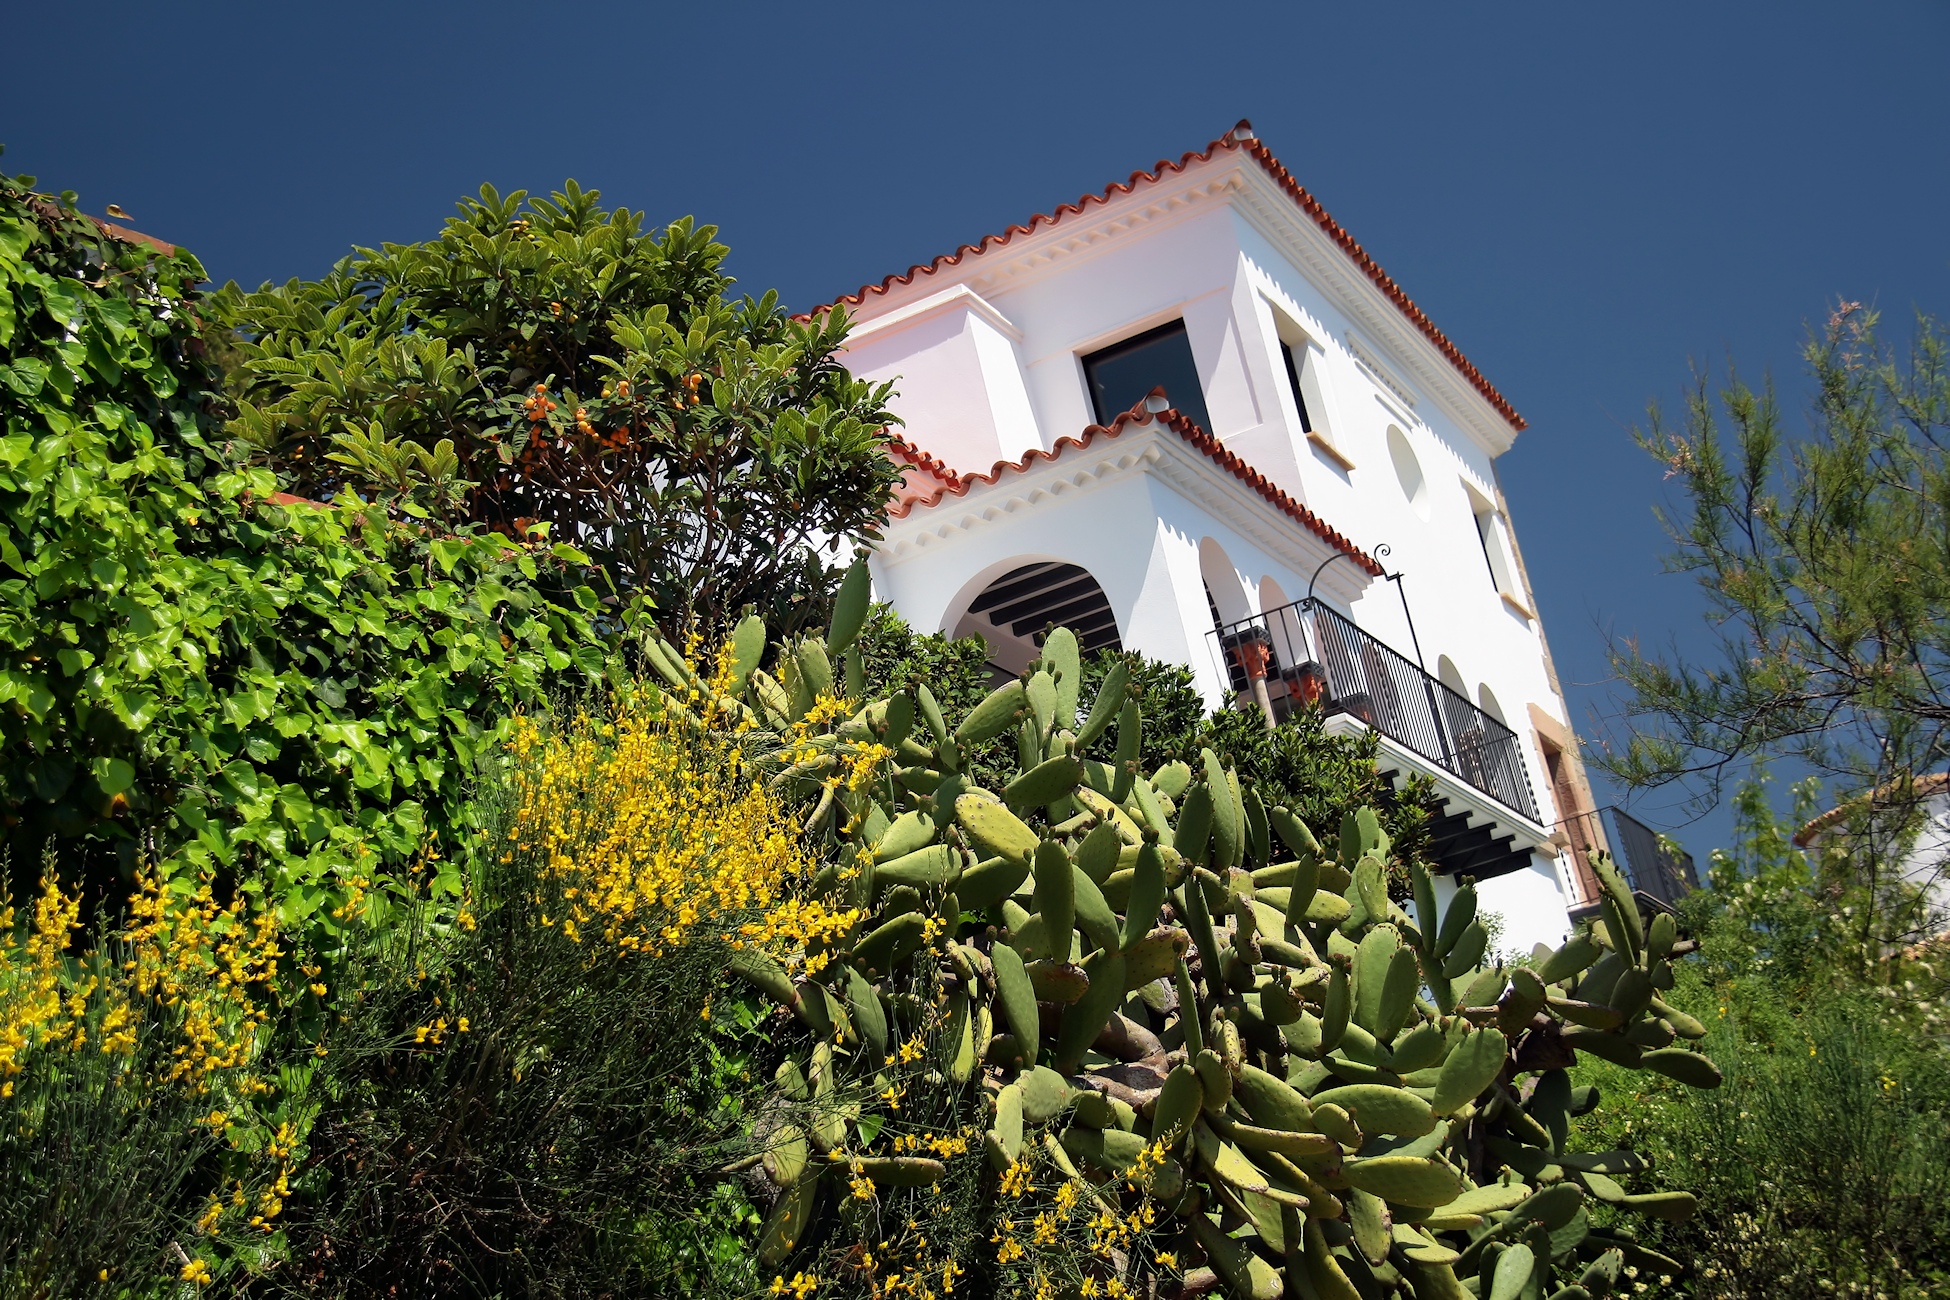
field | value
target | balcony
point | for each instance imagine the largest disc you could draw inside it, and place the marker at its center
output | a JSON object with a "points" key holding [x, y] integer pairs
{"points": [[1307, 654], [1650, 867]]}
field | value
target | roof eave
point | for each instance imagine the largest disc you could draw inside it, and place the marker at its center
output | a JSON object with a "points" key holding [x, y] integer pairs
{"points": [[1240, 142]]}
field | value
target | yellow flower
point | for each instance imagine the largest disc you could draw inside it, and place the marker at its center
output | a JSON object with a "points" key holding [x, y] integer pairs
{"points": [[649, 833], [206, 1223], [196, 1271]]}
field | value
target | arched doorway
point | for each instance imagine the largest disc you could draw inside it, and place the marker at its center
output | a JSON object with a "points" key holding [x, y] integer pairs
{"points": [[1013, 611]]}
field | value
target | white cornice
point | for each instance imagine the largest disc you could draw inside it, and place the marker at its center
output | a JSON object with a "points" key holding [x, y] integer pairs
{"points": [[1273, 213], [956, 297], [1143, 450], [1235, 180], [1024, 258], [1375, 366]]}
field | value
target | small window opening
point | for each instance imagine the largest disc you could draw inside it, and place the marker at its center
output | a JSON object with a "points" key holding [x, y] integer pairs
{"points": [[1490, 533], [1121, 374], [1485, 529], [1293, 382]]}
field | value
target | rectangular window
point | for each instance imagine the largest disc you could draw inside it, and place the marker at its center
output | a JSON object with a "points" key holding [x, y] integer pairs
{"points": [[1122, 374], [1293, 382], [1485, 529], [1496, 552], [1303, 382]]}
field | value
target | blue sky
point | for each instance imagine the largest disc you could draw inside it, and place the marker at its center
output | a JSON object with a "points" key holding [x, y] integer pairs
{"points": [[1588, 199]]}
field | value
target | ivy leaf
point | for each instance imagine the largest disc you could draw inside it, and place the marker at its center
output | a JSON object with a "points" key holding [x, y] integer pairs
{"points": [[113, 775], [446, 551]]}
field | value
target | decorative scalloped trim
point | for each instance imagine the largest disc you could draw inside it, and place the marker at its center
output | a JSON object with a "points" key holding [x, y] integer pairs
{"points": [[929, 482], [1240, 137]]}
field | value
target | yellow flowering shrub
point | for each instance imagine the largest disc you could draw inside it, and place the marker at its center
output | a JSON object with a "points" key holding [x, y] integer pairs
{"points": [[212, 970], [644, 832], [31, 1002], [204, 975], [172, 1031]]}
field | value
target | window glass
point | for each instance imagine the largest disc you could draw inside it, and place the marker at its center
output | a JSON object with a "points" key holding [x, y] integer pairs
{"points": [[1293, 382], [1491, 535], [1121, 374]]}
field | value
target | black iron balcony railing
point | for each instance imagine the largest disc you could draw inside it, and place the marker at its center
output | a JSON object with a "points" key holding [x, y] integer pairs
{"points": [[1307, 654], [1648, 864]]}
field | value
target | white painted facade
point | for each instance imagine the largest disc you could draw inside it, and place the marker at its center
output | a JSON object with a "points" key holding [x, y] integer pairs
{"points": [[986, 352], [1920, 862]]}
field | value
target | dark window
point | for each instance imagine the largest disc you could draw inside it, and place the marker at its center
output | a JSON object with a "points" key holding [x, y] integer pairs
{"points": [[1121, 374], [1484, 523], [1293, 382]]}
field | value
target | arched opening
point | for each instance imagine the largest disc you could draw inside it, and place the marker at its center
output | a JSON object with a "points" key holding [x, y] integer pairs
{"points": [[1486, 698], [1014, 610], [1460, 720], [1271, 594], [1409, 471], [1225, 590]]}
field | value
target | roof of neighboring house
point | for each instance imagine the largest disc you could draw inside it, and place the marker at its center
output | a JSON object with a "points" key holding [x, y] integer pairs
{"points": [[1923, 787], [928, 482], [128, 236], [1240, 138]]}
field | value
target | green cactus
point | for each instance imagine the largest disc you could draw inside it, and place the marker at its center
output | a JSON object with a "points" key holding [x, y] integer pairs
{"points": [[1156, 984]]}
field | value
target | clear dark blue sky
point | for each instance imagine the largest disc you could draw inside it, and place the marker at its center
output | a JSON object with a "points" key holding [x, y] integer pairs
{"points": [[1586, 198]]}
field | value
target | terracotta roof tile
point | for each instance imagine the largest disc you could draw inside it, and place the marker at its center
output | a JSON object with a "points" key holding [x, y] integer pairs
{"points": [[1891, 795], [1239, 138], [928, 482]]}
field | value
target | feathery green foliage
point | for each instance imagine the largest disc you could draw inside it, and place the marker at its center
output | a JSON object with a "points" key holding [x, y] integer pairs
{"points": [[1826, 563], [1832, 1133]]}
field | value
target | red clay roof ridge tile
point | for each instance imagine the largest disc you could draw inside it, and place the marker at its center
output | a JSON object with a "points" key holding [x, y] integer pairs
{"points": [[1241, 137], [912, 496]]}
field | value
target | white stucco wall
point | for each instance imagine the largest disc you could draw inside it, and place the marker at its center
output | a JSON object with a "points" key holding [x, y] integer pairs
{"points": [[988, 354]]}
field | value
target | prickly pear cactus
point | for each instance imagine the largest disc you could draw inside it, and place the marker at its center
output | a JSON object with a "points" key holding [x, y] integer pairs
{"points": [[1172, 999]]}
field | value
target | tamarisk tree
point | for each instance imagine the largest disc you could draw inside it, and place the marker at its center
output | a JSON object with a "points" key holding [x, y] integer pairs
{"points": [[1826, 564]]}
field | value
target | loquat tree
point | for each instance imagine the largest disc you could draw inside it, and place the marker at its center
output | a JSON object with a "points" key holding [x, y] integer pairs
{"points": [[547, 360]]}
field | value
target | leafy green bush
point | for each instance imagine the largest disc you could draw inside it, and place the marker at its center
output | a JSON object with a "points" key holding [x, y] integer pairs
{"points": [[544, 358], [1823, 1165], [897, 658], [191, 659]]}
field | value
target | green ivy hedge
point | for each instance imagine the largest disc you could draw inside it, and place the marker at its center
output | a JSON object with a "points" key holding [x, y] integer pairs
{"points": [[196, 666]]}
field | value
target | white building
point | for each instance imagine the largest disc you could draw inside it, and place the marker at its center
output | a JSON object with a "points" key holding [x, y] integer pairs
{"points": [[1920, 859], [1315, 415]]}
